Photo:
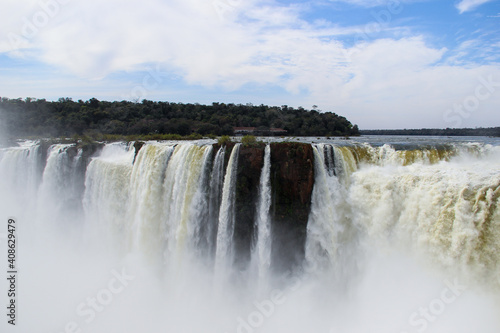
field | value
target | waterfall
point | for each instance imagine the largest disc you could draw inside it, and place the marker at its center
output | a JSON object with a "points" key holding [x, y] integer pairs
{"points": [[61, 188], [182, 182], [261, 256], [446, 212], [328, 228], [20, 168], [329, 160], [202, 205], [214, 201], [56, 175], [146, 193], [392, 227], [107, 193], [224, 247], [346, 161]]}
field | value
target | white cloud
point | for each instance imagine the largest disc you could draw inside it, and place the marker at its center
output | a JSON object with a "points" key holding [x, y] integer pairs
{"points": [[468, 5], [364, 3], [231, 44], [376, 3]]}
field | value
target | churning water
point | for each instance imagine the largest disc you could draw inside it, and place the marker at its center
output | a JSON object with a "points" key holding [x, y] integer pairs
{"points": [[402, 236]]}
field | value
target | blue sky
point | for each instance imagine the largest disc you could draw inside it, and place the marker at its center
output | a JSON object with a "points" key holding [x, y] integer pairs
{"points": [[380, 63]]}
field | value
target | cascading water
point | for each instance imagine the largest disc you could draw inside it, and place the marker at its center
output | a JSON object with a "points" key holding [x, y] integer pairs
{"points": [[224, 247], [202, 205], [393, 231], [21, 170], [214, 201], [182, 182], [330, 232], [107, 192], [447, 211], [62, 184], [146, 204], [261, 256]]}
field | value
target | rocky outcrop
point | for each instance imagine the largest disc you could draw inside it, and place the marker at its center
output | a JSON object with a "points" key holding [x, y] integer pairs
{"points": [[292, 181], [137, 146], [250, 163]]}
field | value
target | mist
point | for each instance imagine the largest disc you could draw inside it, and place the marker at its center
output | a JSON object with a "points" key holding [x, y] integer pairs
{"points": [[92, 255], [4, 133]]}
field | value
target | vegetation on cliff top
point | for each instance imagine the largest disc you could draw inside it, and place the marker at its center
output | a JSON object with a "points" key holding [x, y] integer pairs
{"points": [[490, 131], [249, 140], [65, 117]]}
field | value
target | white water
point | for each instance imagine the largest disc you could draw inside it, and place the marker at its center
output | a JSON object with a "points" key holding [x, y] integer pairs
{"points": [[329, 230], [389, 232], [182, 182], [59, 194], [146, 204], [107, 192], [215, 197], [261, 256], [446, 212], [225, 248], [19, 169]]}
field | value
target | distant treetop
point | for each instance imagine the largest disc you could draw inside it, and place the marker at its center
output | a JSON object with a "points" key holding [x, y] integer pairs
{"points": [[65, 117]]}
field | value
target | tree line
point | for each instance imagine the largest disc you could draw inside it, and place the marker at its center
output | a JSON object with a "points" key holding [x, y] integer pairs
{"points": [[480, 131], [65, 117]]}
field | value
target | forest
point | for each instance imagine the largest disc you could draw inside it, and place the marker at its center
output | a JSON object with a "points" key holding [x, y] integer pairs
{"points": [[64, 118], [480, 131]]}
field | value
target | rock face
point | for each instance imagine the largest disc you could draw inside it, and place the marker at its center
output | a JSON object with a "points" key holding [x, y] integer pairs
{"points": [[250, 163], [137, 146], [292, 181]]}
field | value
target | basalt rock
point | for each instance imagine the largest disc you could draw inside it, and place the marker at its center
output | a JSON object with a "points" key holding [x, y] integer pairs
{"points": [[137, 146], [292, 181], [250, 163]]}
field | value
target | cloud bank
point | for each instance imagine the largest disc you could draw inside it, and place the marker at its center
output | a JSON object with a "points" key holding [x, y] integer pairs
{"points": [[375, 74]]}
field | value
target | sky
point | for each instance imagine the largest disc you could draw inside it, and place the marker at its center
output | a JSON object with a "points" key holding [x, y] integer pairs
{"points": [[382, 64]]}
